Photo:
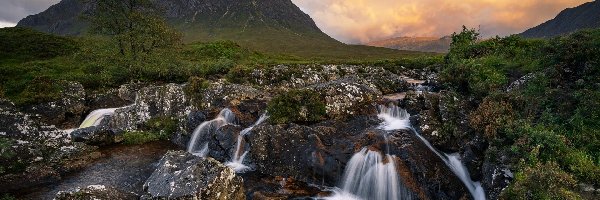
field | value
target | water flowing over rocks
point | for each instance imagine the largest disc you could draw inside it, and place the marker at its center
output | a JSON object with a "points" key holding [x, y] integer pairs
{"points": [[181, 175]]}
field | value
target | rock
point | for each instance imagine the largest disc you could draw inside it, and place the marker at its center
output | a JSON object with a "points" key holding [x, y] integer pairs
{"points": [[97, 135], [181, 175], [64, 113], [219, 95], [347, 97], [154, 101], [34, 153], [444, 121], [107, 99], [94, 192], [496, 172]]}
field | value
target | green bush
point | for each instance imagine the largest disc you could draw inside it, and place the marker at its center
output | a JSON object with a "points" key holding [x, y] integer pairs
{"points": [[138, 137], [299, 106], [541, 181], [40, 89]]}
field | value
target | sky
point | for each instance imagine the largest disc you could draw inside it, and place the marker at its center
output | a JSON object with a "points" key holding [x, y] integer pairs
{"points": [[361, 21]]}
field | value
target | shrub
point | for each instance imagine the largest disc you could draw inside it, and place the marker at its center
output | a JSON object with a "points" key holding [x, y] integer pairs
{"points": [[40, 89], [23, 44], [541, 181], [491, 116], [195, 88], [300, 106]]}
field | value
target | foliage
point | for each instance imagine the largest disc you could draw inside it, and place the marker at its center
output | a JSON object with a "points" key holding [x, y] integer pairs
{"points": [[22, 44], [40, 89], [491, 116], [299, 106], [139, 137], [542, 181], [155, 129], [135, 26]]}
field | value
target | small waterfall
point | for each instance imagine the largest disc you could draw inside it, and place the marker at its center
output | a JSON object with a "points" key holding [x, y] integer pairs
{"points": [[203, 130], [237, 162], [369, 175], [396, 118], [96, 117]]}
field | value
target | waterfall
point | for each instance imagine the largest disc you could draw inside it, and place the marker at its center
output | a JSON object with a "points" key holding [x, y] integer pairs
{"points": [[96, 117], [203, 130], [396, 118], [237, 162], [369, 175]]}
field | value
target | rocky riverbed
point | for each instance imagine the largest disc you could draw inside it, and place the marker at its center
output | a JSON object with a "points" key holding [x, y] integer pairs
{"points": [[290, 160]]}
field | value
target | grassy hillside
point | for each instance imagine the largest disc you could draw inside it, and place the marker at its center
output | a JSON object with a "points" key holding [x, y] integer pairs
{"points": [[33, 62]]}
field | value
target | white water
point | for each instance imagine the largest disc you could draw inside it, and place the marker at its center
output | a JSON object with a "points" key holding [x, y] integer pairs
{"points": [[237, 162], [369, 175], [96, 117], [396, 118], [203, 130]]}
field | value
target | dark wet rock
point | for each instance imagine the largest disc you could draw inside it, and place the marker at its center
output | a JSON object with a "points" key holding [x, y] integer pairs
{"points": [[422, 171], [248, 111], [64, 113], [473, 155], [222, 143], [496, 172], [107, 99], [272, 188], [314, 154], [444, 121], [347, 97], [181, 175], [97, 136], [95, 192]]}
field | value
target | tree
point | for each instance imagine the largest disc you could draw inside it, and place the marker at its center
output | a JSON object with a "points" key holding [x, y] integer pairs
{"points": [[135, 25]]}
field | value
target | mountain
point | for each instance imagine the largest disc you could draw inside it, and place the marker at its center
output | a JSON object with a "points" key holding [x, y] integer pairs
{"points": [[569, 20], [422, 44], [265, 25]]}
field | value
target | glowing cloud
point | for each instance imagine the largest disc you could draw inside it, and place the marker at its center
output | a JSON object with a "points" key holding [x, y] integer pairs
{"points": [[358, 21]]}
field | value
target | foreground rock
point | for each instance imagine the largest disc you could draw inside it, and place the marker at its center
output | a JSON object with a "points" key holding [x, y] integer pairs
{"points": [[65, 112], [95, 192], [181, 175], [33, 153]]}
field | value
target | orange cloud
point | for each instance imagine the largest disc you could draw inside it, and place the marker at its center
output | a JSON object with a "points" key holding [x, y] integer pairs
{"points": [[359, 21]]}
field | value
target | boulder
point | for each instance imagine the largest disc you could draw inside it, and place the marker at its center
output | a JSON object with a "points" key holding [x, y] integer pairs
{"points": [[347, 97], [34, 153], [95, 192], [64, 113], [181, 175]]}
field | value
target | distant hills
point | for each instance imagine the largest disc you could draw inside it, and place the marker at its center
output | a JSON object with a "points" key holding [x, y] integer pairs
{"points": [[569, 20], [266, 25], [422, 44]]}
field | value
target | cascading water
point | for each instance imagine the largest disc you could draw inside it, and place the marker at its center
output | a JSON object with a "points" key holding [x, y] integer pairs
{"points": [[396, 118], [370, 175], [237, 162], [203, 130], [96, 117]]}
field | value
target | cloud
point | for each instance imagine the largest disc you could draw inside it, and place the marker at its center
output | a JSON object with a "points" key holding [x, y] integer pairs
{"points": [[7, 24], [11, 11], [358, 21]]}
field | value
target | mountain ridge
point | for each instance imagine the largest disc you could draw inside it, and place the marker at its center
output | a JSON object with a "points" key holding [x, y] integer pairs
{"points": [[584, 16], [422, 44]]}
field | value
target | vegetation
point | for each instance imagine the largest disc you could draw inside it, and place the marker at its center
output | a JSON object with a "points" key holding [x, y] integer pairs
{"points": [[135, 25], [155, 129], [299, 106], [549, 122]]}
